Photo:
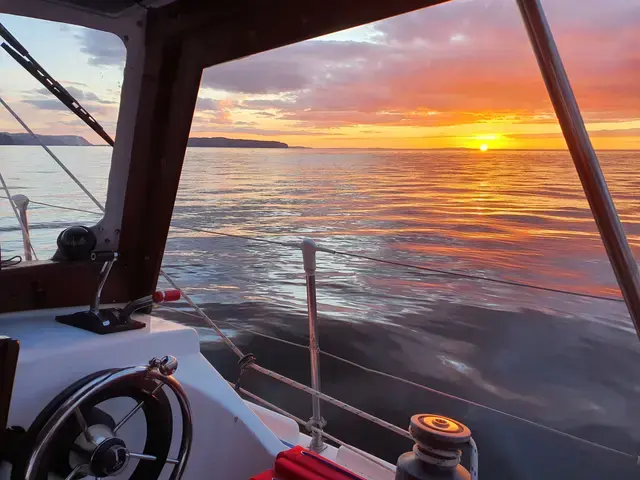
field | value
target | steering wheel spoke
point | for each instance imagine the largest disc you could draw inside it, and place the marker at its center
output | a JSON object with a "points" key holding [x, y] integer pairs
{"points": [[72, 428], [83, 423], [150, 458], [76, 471], [135, 409]]}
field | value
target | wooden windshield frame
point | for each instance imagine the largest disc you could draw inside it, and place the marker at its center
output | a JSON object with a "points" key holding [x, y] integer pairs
{"points": [[181, 39]]}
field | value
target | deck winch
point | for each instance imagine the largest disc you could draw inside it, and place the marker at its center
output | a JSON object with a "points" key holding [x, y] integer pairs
{"points": [[437, 451]]}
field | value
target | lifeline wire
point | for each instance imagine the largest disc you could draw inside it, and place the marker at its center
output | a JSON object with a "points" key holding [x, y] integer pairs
{"points": [[422, 387], [372, 259], [61, 207], [409, 265]]}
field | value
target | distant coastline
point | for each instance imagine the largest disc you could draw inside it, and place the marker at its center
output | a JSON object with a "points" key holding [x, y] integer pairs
{"points": [[78, 141], [49, 140], [222, 142]]}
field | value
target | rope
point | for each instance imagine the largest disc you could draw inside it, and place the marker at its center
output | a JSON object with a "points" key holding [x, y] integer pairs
{"points": [[244, 363], [25, 233], [323, 396], [62, 165], [10, 262], [437, 456]]}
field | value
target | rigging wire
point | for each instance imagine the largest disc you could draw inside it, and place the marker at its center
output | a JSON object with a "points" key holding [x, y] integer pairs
{"points": [[193, 304], [370, 258], [25, 233], [244, 237], [412, 266], [53, 155], [474, 277], [425, 388], [61, 207]]}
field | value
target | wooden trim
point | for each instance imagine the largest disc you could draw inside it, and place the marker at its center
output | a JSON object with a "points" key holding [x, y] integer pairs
{"points": [[48, 284], [171, 81]]}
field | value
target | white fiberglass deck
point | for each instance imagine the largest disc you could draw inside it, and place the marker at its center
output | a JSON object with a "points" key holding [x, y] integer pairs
{"points": [[232, 439]]}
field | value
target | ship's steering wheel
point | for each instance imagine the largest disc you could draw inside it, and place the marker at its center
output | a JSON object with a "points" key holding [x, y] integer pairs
{"points": [[73, 438]]}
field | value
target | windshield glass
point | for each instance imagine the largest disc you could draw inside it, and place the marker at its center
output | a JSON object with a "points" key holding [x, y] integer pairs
{"points": [[89, 65]]}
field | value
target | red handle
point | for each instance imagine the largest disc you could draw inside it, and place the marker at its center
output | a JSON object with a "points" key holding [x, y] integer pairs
{"points": [[166, 296], [171, 295]]}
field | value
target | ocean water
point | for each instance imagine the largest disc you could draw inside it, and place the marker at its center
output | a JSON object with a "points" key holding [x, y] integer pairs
{"points": [[567, 362]]}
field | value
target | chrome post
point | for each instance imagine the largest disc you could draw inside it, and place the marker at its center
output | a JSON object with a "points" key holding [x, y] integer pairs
{"points": [[584, 157], [309, 258], [22, 202]]}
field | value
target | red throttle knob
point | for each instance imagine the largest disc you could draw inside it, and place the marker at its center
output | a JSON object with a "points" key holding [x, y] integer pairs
{"points": [[166, 296]]}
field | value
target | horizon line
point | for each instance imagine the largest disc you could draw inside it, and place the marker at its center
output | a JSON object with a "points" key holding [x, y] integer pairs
{"points": [[300, 147]]}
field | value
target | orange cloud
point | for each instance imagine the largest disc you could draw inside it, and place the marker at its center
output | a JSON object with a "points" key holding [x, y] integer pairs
{"points": [[436, 77]]}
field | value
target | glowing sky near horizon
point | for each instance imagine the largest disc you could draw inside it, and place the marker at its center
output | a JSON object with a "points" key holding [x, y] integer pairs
{"points": [[460, 74]]}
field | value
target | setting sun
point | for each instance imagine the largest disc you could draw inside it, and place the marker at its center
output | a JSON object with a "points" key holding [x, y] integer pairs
{"points": [[484, 147]]}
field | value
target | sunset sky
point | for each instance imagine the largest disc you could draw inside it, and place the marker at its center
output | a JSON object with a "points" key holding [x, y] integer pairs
{"points": [[460, 74]]}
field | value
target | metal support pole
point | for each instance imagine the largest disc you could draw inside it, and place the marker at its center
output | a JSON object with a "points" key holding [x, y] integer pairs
{"points": [[22, 202], [584, 157], [309, 257]]}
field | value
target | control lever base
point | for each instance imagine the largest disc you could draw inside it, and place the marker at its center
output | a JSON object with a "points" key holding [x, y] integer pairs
{"points": [[102, 322]]}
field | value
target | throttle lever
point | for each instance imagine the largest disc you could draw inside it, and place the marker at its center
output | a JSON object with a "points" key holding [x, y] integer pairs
{"points": [[108, 257]]}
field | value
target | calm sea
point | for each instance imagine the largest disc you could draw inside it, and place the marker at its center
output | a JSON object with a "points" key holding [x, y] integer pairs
{"points": [[564, 361]]}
